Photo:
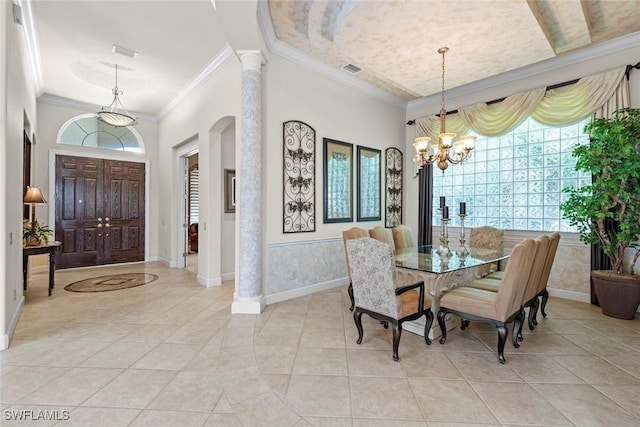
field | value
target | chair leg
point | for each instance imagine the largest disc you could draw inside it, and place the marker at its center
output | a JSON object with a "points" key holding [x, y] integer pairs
{"points": [[397, 333], [533, 312], [357, 318], [427, 326], [443, 328], [517, 328], [502, 338], [464, 324], [545, 298], [350, 292]]}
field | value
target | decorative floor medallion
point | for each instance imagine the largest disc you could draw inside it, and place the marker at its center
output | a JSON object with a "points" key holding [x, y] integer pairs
{"points": [[112, 282]]}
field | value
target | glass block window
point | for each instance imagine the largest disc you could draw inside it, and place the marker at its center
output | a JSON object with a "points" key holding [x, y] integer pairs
{"points": [[514, 181], [87, 131]]}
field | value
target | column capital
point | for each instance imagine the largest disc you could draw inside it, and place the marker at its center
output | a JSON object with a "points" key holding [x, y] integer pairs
{"points": [[251, 59]]}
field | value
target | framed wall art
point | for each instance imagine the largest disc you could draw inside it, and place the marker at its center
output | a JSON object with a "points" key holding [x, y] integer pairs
{"points": [[229, 190], [338, 181], [299, 164], [369, 182], [393, 187]]}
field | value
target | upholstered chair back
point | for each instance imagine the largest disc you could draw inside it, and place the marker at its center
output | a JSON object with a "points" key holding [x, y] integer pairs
{"points": [[514, 280], [537, 268], [486, 237], [382, 234], [373, 274], [554, 240], [352, 233], [402, 237]]}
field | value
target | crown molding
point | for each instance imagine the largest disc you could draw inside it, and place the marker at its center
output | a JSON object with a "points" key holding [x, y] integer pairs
{"points": [[86, 106], [576, 57], [299, 57], [218, 61]]}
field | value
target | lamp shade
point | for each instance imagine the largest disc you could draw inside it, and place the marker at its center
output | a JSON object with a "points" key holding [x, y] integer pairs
{"points": [[34, 195]]}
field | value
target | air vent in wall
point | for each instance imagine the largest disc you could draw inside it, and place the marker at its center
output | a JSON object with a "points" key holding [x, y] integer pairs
{"points": [[351, 68]]}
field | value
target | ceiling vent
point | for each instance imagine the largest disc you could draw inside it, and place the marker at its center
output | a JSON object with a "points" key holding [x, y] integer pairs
{"points": [[351, 68], [123, 51]]}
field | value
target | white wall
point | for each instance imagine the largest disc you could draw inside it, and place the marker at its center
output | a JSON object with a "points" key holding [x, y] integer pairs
{"points": [[228, 226], [17, 93]]}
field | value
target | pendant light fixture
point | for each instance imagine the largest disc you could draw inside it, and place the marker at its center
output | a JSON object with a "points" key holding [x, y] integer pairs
{"points": [[115, 114]]}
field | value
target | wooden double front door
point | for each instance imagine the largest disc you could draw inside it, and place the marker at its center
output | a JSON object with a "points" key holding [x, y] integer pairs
{"points": [[99, 211]]}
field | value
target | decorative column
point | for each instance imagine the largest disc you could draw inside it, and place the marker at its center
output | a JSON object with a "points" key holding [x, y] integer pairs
{"points": [[248, 297]]}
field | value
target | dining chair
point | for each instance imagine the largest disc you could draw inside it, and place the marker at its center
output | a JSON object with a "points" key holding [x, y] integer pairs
{"points": [[486, 237], [382, 234], [554, 241], [352, 233], [378, 292], [402, 237], [499, 308]]}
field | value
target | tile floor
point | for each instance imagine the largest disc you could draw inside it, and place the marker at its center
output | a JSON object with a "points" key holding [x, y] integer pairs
{"points": [[171, 354]]}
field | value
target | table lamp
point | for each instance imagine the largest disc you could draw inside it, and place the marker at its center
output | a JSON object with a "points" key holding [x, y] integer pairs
{"points": [[33, 196]]}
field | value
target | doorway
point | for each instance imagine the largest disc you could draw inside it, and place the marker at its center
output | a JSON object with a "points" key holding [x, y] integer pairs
{"points": [[192, 211], [99, 211]]}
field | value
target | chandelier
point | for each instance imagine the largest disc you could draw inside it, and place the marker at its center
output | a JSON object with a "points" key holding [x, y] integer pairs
{"points": [[114, 116], [446, 150]]}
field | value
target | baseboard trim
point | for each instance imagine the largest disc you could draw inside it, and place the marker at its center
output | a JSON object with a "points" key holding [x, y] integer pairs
{"points": [[6, 338], [248, 306], [307, 290], [570, 295], [228, 276], [209, 282]]}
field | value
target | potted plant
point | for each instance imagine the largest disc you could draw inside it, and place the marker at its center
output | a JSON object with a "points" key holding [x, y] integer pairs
{"points": [[35, 234], [613, 159]]}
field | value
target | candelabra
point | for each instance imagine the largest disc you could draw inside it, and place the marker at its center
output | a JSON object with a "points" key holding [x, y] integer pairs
{"points": [[462, 251], [444, 250]]}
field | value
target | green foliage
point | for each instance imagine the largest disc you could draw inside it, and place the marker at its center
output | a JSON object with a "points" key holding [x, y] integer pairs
{"points": [[36, 231], [613, 158]]}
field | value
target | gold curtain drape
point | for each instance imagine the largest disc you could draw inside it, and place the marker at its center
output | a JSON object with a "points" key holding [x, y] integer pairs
{"points": [[553, 107]]}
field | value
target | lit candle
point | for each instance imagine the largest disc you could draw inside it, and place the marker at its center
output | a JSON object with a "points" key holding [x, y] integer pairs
{"points": [[463, 208], [445, 212], [443, 203]]}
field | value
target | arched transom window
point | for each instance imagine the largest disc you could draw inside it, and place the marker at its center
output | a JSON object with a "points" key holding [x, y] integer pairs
{"points": [[87, 131]]}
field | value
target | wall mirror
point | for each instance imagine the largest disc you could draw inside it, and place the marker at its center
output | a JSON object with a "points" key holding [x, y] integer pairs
{"points": [[338, 181], [369, 184]]}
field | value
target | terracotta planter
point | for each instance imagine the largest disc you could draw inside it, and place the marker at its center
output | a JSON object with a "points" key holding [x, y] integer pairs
{"points": [[618, 294]]}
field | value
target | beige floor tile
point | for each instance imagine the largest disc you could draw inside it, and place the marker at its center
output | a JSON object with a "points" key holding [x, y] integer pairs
{"points": [[70, 354], [540, 368], [627, 361], [243, 384], [595, 370], [222, 420], [450, 400], [429, 364], [154, 418], [278, 335], [370, 398], [626, 396], [275, 359], [482, 367], [72, 388], [329, 422], [190, 391], [23, 381], [134, 388], [458, 340], [379, 363], [320, 361], [237, 337], [502, 398], [24, 352], [367, 422], [322, 396], [323, 337], [234, 358], [584, 405], [167, 356], [119, 355], [598, 344], [100, 417], [611, 327], [278, 383], [265, 410], [35, 415]]}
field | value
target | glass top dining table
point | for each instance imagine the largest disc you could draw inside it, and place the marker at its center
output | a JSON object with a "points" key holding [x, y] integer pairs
{"points": [[440, 274]]}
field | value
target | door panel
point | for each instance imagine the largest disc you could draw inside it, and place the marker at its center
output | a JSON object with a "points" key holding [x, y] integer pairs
{"points": [[99, 211]]}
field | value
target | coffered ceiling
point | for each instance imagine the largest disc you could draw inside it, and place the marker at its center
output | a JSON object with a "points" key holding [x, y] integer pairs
{"points": [[394, 43]]}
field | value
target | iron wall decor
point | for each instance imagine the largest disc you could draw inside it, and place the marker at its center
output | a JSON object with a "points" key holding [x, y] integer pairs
{"points": [[299, 196], [230, 191], [338, 181], [393, 187], [369, 183]]}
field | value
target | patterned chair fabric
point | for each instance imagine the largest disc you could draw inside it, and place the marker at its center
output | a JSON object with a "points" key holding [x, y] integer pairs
{"points": [[378, 293], [352, 233], [499, 308], [382, 234], [489, 238], [402, 237]]}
